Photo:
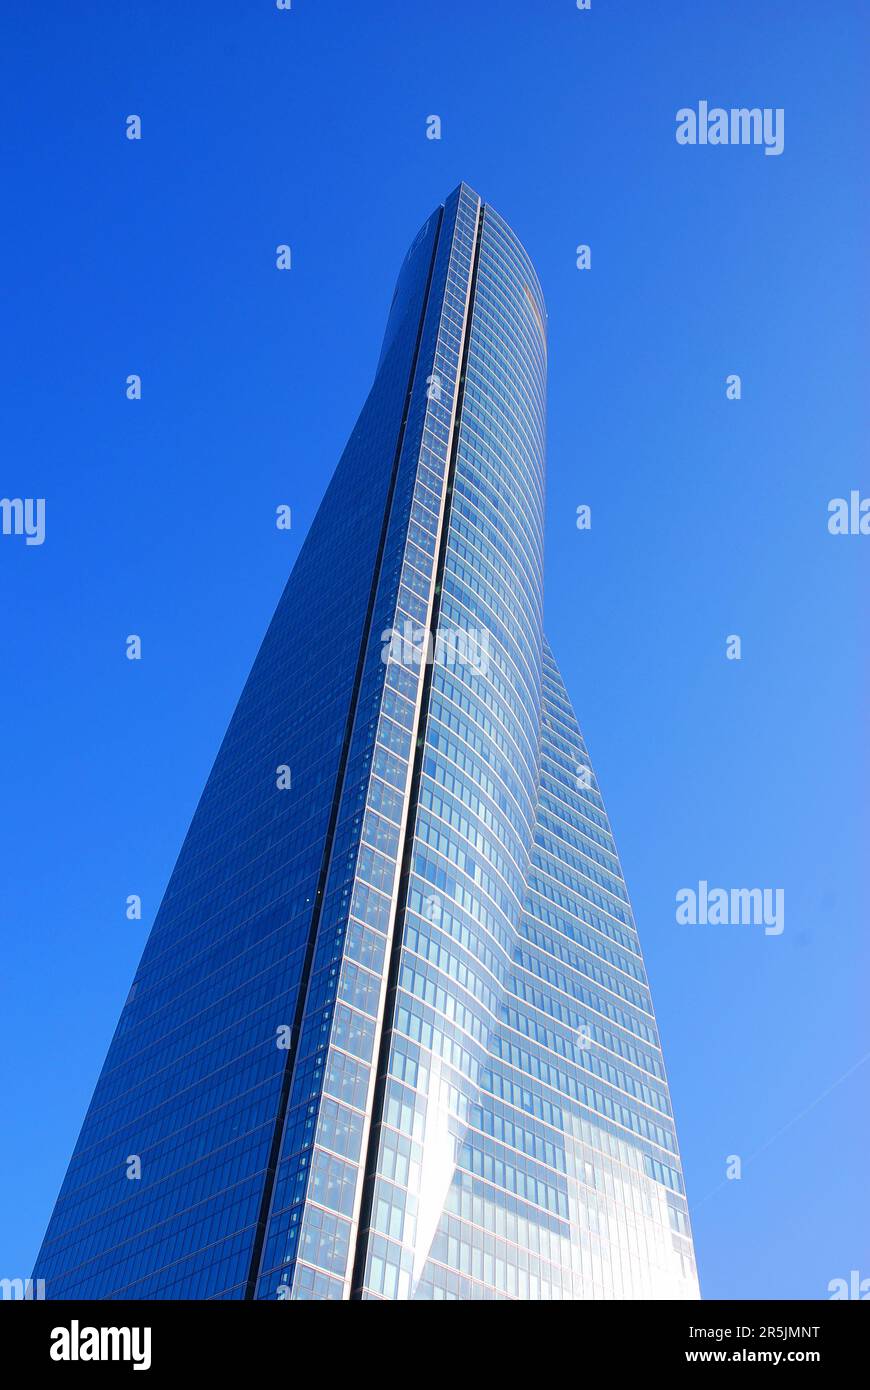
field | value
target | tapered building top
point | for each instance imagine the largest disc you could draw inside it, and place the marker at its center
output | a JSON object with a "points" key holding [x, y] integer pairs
{"points": [[391, 1035]]}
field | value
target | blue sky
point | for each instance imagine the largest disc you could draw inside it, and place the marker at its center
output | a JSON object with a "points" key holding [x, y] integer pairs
{"points": [[708, 516]]}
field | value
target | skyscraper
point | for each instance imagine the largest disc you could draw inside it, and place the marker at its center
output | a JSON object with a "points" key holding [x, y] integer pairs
{"points": [[391, 1035]]}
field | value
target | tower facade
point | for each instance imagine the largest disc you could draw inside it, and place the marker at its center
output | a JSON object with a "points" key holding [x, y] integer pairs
{"points": [[391, 1035]]}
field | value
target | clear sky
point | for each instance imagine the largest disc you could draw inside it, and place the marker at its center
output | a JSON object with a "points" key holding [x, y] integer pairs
{"points": [[709, 516]]}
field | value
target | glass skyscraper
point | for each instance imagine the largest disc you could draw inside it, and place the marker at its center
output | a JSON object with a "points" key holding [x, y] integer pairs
{"points": [[391, 1035]]}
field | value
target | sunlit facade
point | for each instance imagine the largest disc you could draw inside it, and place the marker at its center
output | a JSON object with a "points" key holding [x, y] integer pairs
{"points": [[391, 1035]]}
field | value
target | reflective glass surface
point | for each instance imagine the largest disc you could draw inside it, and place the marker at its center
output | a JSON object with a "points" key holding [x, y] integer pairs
{"points": [[391, 1036]]}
